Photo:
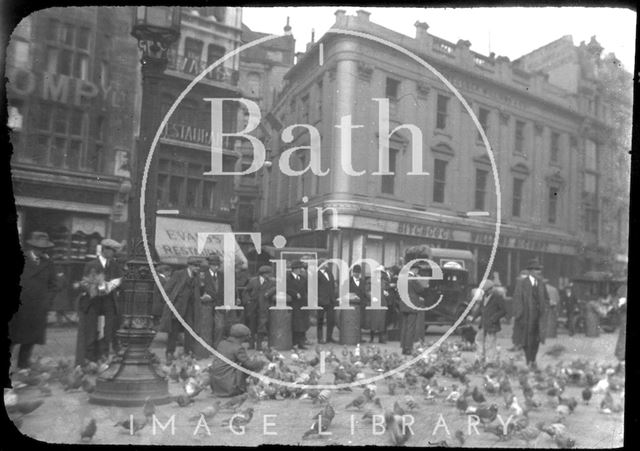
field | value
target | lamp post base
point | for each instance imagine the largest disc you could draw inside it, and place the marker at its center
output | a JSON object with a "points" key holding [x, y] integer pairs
{"points": [[134, 375]]}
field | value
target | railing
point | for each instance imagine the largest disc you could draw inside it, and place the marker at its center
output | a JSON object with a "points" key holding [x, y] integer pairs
{"points": [[442, 46], [192, 66]]}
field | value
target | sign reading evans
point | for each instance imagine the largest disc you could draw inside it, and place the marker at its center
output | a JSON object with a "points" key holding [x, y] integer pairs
{"points": [[177, 240]]}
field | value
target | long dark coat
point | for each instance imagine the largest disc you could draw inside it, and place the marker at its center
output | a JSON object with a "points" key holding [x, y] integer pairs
{"points": [[327, 289], [225, 379], [183, 292], [375, 320], [297, 289], [89, 309], [38, 281], [530, 323], [257, 300]]}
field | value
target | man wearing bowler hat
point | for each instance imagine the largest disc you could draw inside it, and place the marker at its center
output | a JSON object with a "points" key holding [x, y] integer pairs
{"points": [[28, 326], [183, 289], [256, 296], [530, 307], [327, 295], [97, 309], [297, 289]]}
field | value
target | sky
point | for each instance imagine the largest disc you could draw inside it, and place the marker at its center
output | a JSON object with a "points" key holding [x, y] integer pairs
{"points": [[510, 32]]}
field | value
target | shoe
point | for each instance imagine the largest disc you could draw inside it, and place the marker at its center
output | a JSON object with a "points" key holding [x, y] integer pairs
{"points": [[302, 347]]}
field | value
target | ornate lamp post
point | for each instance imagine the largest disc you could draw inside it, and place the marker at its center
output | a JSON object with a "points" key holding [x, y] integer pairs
{"points": [[134, 374]]}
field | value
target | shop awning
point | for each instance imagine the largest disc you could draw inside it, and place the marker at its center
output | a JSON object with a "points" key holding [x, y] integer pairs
{"points": [[177, 240]]}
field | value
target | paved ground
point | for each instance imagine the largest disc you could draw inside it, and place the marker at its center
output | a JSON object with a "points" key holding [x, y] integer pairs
{"points": [[60, 418]]}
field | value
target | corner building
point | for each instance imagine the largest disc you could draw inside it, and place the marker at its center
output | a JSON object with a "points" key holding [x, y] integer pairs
{"points": [[543, 138]]}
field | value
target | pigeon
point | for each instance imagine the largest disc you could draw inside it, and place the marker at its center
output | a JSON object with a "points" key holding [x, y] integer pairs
{"points": [[391, 386], [563, 441], [486, 414], [498, 430], [88, 383], [528, 434], [368, 415], [24, 407], [184, 400], [89, 430], [174, 374], [208, 412], [395, 428], [462, 404], [359, 401], [411, 402], [459, 435], [240, 419], [556, 350], [148, 409], [73, 379], [514, 406], [132, 424], [586, 395], [235, 402], [397, 409], [322, 421], [478, 396]]}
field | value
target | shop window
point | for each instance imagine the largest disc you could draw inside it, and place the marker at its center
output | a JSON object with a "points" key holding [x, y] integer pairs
{"points": [[193, 49], [554, 155], [516, 198], [481, 189], [388, 181], [553, 205], [519, 137], [439, 180]]}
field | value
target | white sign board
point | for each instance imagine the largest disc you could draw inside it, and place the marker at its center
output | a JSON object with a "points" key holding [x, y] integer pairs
{"points": [[177, 240]]}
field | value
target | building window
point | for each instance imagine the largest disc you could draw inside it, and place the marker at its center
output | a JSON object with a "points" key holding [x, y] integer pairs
{"points": [[214, 53], [519, 138], [553, 205], [21, 54], [391, 89], [483, 118], [254, 84], [193, 49], [441, 112], [388, 181], [481, 189], [555, 147], [304, 103], [591, 155], [590, 183], [319, 101], [104, 73], [516, 204], [591, 217], [439, 180], [68, 50]]}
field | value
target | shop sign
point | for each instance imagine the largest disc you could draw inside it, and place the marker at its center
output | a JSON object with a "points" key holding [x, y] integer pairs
{"points": [[425, 230], [62, 89], [187, 133], [510, 242], [177, 240]]}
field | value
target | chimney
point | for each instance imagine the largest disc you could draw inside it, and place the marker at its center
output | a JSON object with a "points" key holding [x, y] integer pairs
{"points": [[421, 30], [287, 28], [363, 15], [341, 17]]}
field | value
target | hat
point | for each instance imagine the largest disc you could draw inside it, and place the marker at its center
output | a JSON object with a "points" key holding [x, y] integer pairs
{"points": [[357, 268], [108, 243], [265, 269], [214, 259], [487, 285], [40, 239], [163, 268], [239, 331], [194, 261], [297, 264], [534, 264]]}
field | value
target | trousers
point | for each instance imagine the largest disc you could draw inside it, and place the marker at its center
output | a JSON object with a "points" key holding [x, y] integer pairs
{"points": [[408, 331], [327, 311], [172, 338], [487, 346]]}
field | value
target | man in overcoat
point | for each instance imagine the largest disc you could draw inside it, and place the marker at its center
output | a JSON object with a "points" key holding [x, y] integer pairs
{"points": [[417, 290], [518, 327], [28, 325], [227, 380], [327, 294], [297, 289], [531, 305], [256, 297], [97, 307], [569, 302], [183, 290]]}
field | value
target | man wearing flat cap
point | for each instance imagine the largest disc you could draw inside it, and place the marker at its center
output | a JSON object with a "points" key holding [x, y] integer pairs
{"points": [[530, 307], [490, 308], [183, 290], [28, 325], [297, 290], [227, 380], [256, 302], [97, 307], [214, 289]]}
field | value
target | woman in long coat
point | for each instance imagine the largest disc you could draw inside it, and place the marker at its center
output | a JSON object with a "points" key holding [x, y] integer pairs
{"points": [[28, 326]]}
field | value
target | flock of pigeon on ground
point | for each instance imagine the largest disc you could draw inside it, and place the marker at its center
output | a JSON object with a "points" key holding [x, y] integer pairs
{"points": [[441, 378]]}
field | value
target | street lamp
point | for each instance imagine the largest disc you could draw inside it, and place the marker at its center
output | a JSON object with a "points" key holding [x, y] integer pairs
{"points": [[134, 373]]}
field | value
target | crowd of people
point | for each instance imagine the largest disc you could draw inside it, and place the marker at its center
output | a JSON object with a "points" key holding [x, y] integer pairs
{"points": [[196, 292]]}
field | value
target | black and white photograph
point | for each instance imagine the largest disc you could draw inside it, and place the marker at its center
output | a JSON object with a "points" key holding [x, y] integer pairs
{"points": [[318, 225]]}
